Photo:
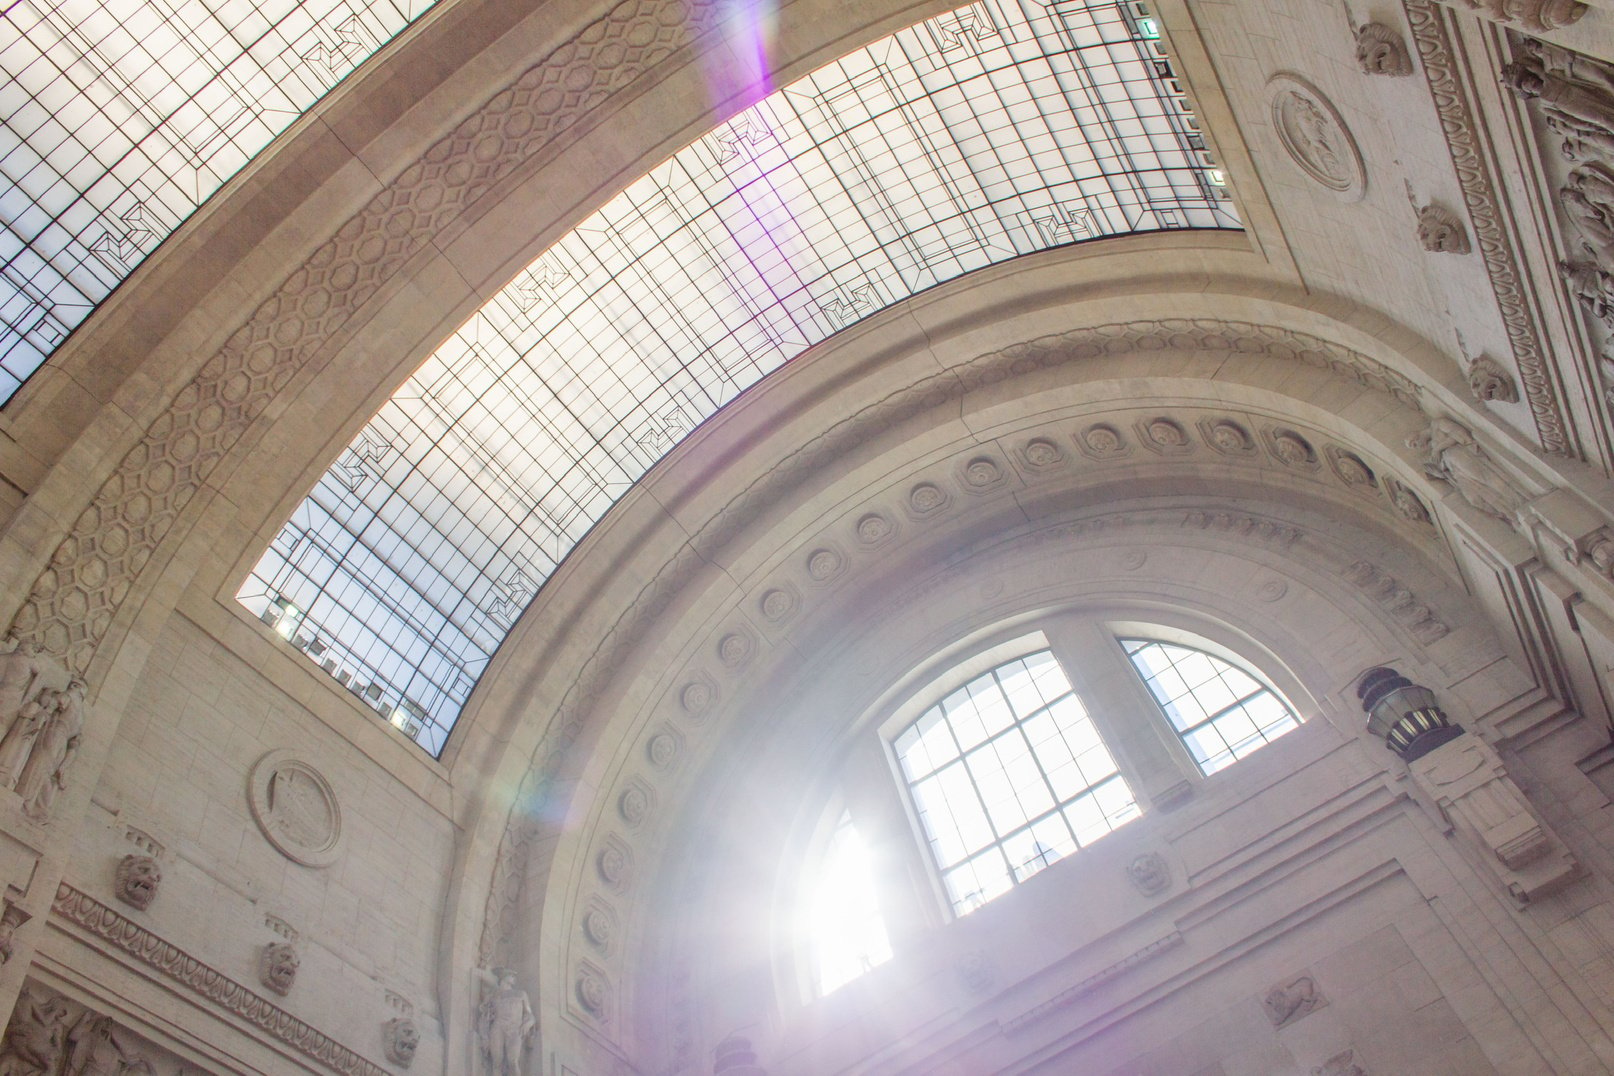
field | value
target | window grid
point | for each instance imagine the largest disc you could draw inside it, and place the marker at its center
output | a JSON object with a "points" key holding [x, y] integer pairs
{"points": [[118, 118], [992, 131], [1220, 712], [1008, 774], [844, 917]]}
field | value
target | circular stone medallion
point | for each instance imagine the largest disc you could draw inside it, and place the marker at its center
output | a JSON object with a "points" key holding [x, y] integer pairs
{"points": [[296, 809], [1316, 138]]}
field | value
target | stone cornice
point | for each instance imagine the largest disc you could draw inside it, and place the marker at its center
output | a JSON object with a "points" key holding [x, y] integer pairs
{"points": [[1461, 129], [170, 960]]}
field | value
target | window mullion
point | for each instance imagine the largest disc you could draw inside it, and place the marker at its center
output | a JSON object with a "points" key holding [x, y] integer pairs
{"points": [[1155, 764]]}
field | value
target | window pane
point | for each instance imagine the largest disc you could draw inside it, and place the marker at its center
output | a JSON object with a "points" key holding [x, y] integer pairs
{"points": [[1221, 712], [847, 928], [994, 817]]}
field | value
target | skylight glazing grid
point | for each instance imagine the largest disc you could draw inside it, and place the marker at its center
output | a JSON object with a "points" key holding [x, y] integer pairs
{"points": [[118, 118], [992, 131]]}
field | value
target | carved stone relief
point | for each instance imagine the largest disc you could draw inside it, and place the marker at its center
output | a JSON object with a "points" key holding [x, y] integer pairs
{"points": [[51, 1035], [1571, 101], [42, 711], [1440, 231], [1341, 1064], [400, 1040], [277, 966], [1149, 873], [1535, 15], [1294, 1000], [138, 944], [137, 880], [1451, 454], [1315, 137], [12, 918], [1380, 51], [1391, 595], [1489, 381], [296, 809], [1486, 217]]}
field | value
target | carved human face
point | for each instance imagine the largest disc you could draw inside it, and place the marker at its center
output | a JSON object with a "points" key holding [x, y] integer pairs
{"points": [[137, 880], [1439, 235]]}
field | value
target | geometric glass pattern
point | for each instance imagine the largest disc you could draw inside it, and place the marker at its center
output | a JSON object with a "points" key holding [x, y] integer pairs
{"points": [[992, 131], [1007, 775], [118, 118], [1221, 712], [848, 930]]}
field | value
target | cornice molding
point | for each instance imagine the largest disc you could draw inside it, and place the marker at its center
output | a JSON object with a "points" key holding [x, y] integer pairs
{"points": [[170, 960], [1459, 125]]}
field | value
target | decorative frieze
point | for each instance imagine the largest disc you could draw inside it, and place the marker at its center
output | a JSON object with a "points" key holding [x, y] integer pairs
{"points": [[172, 962], [1486, 219]]}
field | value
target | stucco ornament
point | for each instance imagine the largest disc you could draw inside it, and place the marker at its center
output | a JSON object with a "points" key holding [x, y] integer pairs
{"points": [[1488, 380], [1291, 1001], [504, 1022], [277, 967], [1451, 454], [1380, 51], [1315, 137], [97, 1046], [1536, 15], [10, 920], [137, 880], [296, 809], [1341, 1064], [36, 1037], [401, 1040], [1440, 231], [1587, 199], [1149, 873]]}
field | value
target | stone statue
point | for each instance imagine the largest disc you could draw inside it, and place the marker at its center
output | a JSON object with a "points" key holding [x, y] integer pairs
{"points": [[401, 1040], [44, 774], [1452, 455], [137, 880], [34, 1040], [1380, 51], [20, 669], [97, 1046], [18, 742], [503, 1022], [277, 967]]}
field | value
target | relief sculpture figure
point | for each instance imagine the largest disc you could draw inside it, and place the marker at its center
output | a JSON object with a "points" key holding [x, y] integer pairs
{"points": [[44, 774]]}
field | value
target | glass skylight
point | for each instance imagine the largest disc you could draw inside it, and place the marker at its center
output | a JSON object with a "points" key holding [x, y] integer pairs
{"points": [[989, 132], [119, 117]]}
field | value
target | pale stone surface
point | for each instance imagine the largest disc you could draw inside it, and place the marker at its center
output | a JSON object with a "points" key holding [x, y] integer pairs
{"points": [[1202, 434]]}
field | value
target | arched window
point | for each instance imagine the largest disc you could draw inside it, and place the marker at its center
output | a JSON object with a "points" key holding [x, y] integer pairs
{"points": [[1008, 774], [1220, 712], [843, 911]]}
